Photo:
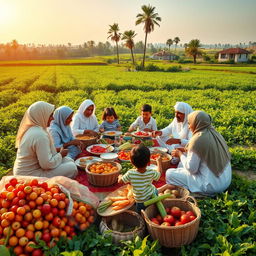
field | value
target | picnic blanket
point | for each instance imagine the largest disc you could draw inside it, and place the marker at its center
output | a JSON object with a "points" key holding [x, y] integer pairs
{"points": [[82, 178]]}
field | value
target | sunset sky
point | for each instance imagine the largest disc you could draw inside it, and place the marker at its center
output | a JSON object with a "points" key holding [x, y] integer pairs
{"points": [[77, 21]]}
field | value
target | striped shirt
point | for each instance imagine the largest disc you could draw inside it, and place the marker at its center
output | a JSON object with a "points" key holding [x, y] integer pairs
{"points": [[143, 188]]}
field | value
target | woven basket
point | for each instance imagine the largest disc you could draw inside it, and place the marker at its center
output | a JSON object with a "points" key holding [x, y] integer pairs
{"points": [[87, 142], [182, 191], [173, 236], [103, 179], [127, 218], [165, 164]]}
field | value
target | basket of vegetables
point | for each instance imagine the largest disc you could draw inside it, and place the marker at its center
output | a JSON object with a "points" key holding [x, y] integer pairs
{"points": [[124, 226], [175, 191], [166, 159], [103, 174], [88, 139], [173, 222]]}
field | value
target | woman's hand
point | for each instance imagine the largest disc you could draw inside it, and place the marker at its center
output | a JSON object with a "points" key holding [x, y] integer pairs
{"points": [[176, 153], [156, 133], [63, 152]]}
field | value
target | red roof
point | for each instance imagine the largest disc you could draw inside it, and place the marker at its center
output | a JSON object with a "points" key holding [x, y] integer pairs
{"points": [[234, 51]]}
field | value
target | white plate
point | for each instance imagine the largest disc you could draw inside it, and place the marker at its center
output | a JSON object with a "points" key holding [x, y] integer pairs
{"points": [[109, 156], [112, 133], [86, 160], [155, 149], [109, 149]]}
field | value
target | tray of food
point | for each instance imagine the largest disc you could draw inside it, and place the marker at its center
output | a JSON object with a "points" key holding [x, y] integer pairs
{"points": [[98, 149]]}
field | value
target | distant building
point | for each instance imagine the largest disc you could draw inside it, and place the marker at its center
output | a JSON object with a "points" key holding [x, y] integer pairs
{"points": [[235, 54], [163, 55]]}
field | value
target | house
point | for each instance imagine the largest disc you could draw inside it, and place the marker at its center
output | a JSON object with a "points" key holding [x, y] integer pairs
{"points": [[235, 54], [163, 55]]}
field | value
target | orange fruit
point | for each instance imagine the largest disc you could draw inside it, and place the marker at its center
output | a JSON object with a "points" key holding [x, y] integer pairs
{"points": [[39, 200], [61, 204], [10, 216], [29, 234], [33, 196], [39, 225], [5, 223], [20, 232], [30, 227], [53, 202], [55, 232], [21, 211], [18, 250], [16, 225], [6, 231], [28, 216], [13, 241], [23, 241]]}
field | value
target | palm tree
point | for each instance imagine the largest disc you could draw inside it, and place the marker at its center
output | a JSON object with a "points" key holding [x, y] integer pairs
{"points": [[129, 43], [150, 19], [193, 49], [169, 42], [176, 41], [115, 36]]}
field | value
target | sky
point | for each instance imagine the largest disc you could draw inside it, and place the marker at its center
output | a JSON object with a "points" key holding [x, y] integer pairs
{"points": [[78, 21]]}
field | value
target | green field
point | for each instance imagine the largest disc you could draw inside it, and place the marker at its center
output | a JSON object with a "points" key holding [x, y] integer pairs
{"points": [[230, 97]]}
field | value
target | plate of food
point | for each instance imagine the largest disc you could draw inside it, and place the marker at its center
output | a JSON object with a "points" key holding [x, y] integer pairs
{"points": [[158, 150], [98, 149], [112, 133], [117, 201], [83, 161], [142, 134], [124, 156], [109, 156], [86, 137]]}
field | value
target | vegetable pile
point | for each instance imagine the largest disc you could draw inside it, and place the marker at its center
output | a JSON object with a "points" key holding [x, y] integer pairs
{"points": [[33, 210]]}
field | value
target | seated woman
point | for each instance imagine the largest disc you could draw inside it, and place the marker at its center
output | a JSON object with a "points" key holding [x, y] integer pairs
{"points": [[36, 155], [85, 121], [61, 132], [177, 129], [206, 168]]}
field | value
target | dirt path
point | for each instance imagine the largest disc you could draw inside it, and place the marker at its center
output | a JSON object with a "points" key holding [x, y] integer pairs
{"points": [[250, 175]]}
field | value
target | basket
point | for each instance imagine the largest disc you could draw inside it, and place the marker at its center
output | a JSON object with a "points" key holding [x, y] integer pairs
{"points": [[182, 191], [103, 179], [87, 142], [129, 218], [173, 236]]}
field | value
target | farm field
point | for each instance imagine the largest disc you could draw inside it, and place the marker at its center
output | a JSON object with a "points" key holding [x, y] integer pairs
{"points": [[229, 97]]}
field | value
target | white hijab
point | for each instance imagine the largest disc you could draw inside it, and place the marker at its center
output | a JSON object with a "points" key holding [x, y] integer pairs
{"points": [[181, 130], [88, 123], [37, 114]]}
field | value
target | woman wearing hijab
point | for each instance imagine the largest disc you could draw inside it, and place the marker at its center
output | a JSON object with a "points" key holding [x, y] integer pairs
{"points": [[206, 168], [177, 129], [61, 132], [36, 155], [85, 121]]}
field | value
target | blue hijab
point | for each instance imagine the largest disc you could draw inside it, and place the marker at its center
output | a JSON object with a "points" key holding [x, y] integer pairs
{"points": [[58, 124]]}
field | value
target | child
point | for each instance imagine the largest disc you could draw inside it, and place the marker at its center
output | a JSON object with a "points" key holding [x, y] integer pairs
{"points": [[140, 178], [145, 122], [110, 121]]}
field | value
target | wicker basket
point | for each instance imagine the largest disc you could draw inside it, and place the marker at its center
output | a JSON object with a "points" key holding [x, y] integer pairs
{"points": [[128, 218], [173, 236], [182, 191], [87, 142], [103, 179], [165, 164]]}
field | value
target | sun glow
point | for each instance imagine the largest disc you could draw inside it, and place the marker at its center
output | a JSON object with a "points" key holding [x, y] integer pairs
{"points": [[6, 13]]}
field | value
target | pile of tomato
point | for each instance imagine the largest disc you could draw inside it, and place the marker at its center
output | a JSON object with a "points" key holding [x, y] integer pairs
{"points": [[175, 217], [124, 155], [33, 209], [143, 134]]}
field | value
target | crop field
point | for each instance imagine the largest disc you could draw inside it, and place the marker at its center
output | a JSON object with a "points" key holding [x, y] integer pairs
{"points": [[229, 97]]}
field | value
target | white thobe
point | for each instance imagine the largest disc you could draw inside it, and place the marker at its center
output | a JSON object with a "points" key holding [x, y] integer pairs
{"points": [[197, 177]]}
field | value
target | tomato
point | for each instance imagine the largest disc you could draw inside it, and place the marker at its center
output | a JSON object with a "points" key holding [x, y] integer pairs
{"points": [[159, 218], [169, 218], [13, 182], [44, 185], [178, 223], [192, 218], [190, 213], [34, 182], [184, 219], [175, 211], [167, 224]]}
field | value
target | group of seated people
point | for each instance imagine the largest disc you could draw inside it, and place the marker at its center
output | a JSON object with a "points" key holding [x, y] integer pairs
{"points": [[47, 144]]}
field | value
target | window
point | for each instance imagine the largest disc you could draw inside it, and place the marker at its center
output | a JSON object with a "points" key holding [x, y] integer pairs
{"points": [[223, 56], [240, 56]]}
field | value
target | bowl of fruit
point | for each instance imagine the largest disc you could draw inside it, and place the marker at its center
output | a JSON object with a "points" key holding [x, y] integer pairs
{"points": [[103, 174], [166, 159]]}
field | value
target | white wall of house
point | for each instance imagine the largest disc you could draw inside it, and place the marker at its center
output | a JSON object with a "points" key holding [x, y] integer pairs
{"points": [[235, 57], [241, 58]]}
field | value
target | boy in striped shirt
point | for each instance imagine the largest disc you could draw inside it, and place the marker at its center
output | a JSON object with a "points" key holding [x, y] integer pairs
{"points": [[141, 178]]}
